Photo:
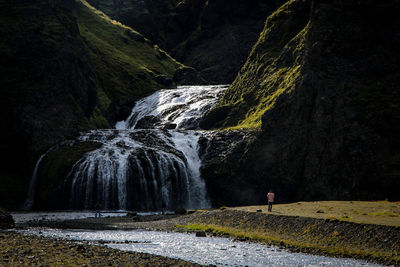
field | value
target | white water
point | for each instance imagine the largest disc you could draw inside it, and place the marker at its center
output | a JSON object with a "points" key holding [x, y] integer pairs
{"points": [[202, 250], [182, 107], [32, 186], [139, 169]]}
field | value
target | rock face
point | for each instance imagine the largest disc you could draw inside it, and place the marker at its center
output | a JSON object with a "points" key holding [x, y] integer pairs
{"points": [[6, 220], [65, 68], [321, 84], [222, 154], [214, 37]]}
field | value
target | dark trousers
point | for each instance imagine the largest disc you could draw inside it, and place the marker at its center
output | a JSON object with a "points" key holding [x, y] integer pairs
{"points": [[270, 205]]}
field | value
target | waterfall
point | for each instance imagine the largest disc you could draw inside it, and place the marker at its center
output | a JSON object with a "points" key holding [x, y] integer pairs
{"points": [[32, 186], [30, 199], [180, 108], [150, 158]]}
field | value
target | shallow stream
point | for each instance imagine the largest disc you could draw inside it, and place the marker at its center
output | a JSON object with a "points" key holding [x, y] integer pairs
{"points": [[202, 250]]}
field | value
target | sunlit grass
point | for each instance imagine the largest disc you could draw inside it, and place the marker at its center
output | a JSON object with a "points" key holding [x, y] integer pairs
{"points": [[307, 244], [367, 212]]}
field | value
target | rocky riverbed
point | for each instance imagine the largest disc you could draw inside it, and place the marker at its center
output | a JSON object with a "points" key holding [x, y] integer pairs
{"points": [[20, 250], [331, 237]]}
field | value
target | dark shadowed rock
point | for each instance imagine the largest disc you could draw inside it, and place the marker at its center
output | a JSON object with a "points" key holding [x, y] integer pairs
{"points": [[188, 76], [180, 211], [201, 234], [6, 220], [322, 85], [215, 36], [216, 117], [164, 80], [148, 122]]}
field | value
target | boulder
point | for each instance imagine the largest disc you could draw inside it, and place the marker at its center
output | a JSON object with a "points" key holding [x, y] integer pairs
{"points": [[201, 234], [148, 122]]}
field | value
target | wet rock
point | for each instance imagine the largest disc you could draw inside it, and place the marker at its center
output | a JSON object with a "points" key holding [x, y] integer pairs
{"points": [[215, 117], [169, 126], [201, 234], [148, 122]]}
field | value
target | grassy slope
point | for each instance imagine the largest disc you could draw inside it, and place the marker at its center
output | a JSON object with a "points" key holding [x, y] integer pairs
{"points": [[125, 62], [272, 67], [365, 212]]}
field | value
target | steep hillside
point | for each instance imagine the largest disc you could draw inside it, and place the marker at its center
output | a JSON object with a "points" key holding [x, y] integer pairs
{"points": [[322, 86], [214, 36], [65, 67]]}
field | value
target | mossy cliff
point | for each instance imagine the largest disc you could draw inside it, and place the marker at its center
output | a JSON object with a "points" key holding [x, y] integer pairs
{"points": [[321, 85], [65, 67], [214, 36]]}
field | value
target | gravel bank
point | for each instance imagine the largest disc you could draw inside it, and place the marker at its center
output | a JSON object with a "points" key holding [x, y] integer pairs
{"points": [[19, 250], [330, 237], [300, 234]]}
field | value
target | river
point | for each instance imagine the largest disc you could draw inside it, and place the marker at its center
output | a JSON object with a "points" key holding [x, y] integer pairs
{"points": [[203, 250]]}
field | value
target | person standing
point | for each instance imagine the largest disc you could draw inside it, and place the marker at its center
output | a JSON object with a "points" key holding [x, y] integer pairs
{"points": [[163, 206], [270, 198], [97, 208]]}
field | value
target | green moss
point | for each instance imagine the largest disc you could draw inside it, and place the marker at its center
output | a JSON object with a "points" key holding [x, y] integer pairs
{"points": [[272, 68], [126, 62]]}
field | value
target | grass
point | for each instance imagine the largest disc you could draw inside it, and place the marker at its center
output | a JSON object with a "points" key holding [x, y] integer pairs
{"points": [[306, 245], [265, 76], [365, 212], [126, 66]]}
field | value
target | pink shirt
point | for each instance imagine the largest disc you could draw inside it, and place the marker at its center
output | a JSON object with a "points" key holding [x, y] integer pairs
{"points": [[270, 197]]}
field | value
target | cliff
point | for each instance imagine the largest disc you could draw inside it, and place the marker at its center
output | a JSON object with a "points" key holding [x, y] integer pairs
{"points": [[65, 67], [321, 86], [215, 37]]}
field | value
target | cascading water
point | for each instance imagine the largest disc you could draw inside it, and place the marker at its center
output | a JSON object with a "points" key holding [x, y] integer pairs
{"points": [[138, 169], [32, 186]]}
